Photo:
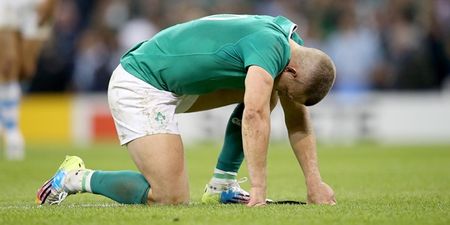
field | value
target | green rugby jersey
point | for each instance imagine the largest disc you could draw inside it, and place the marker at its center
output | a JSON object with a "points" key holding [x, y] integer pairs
{"points": [[212, 53]]}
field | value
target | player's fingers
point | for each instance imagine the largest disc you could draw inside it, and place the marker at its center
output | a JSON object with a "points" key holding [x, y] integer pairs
{"points": [[328, 202], [333, 201]]}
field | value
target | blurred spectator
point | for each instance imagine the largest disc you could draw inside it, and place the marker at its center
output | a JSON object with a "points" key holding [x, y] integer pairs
{"points": [[376, 44], [56, 62], [354, 49], [91, 63]]}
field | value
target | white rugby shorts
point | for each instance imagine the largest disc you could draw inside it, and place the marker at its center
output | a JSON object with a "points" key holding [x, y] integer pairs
{"points": [[139, 109], [22, 16]]}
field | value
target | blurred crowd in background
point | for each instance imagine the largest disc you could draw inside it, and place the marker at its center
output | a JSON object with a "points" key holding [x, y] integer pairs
{"points": [[375, 44]]}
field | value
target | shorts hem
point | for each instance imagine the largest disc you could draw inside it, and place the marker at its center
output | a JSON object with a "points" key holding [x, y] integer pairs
{"points": [[130, 139]]}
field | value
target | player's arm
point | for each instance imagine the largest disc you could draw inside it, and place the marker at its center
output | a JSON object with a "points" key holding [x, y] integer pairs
{"points": [[303, 142], [256, 129]]}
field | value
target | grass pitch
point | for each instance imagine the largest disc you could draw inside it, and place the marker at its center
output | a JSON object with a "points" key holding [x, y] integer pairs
{"points": [[373, 184]]}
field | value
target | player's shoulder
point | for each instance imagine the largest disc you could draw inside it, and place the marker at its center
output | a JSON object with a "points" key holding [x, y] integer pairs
{"points": [[265, 39]]}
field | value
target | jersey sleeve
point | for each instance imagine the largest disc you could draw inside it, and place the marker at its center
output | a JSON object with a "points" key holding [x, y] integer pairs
{"points": [[268, 50]]}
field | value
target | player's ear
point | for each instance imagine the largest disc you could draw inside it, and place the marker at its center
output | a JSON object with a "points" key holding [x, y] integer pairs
{"points": [[291, 70]]}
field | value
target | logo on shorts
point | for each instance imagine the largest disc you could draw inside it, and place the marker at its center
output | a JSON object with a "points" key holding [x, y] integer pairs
{"points": [[157, 121], [160, 118]]}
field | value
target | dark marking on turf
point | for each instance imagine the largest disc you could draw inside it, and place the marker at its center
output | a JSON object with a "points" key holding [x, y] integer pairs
{"points": [[286, 202]]}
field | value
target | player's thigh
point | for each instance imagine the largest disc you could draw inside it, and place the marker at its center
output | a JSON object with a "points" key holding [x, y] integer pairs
{"points": [[145, 121], [9, 55], [160, 158]]}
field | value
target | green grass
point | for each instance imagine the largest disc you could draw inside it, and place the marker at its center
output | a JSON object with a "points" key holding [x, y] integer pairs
{"points": [[373, 184]]}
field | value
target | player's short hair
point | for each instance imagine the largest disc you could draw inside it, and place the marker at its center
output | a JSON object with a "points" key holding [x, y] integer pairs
{"points": [[320, 79]]}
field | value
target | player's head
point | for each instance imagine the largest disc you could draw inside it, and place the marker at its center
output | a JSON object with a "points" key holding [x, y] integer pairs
{"points": [[308, 77]]}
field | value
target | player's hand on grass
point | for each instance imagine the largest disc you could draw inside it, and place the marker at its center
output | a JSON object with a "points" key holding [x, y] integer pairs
{"points": [[257, 197], [321, 193]]}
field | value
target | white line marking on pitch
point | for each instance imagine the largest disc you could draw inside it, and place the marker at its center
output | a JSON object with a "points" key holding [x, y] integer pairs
{"points": [[64, 206]]}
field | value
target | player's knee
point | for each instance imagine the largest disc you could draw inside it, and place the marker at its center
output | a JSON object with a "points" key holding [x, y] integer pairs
{"points": [[170, 194], [176, 198]]}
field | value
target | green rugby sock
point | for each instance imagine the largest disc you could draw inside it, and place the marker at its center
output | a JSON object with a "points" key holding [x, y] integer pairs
{"points": [[232, 154], [126, 187]]}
